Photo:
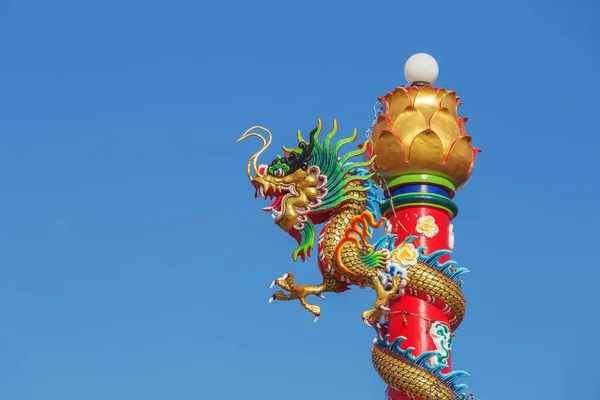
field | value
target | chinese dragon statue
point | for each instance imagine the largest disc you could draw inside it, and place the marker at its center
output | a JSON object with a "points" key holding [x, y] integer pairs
{"points": [[401, 180]]}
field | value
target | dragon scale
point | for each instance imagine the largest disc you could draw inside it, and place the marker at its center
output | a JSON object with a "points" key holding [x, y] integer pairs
{"points": [[346, 266]]}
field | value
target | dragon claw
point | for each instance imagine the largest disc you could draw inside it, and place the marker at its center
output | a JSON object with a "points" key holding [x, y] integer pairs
{"points": [[293, 291], [272, 284], [384, 308], [366, 322]]}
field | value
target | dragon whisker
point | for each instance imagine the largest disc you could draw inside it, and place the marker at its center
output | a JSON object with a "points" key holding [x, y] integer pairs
{"points": [[266, 144]]}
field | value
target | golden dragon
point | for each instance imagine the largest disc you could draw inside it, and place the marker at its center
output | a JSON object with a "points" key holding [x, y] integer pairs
{"points": [[312, 184]]}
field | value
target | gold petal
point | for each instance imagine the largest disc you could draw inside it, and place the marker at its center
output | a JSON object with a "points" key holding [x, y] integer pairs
{"points": [[408, 125], [462, 125], [458, 164], [449, 101], [440, 93], [427, 102], [381, 124], [390, 156], [475, 152], [446, 127], [413, 91], [397, 101], [426, 152]]}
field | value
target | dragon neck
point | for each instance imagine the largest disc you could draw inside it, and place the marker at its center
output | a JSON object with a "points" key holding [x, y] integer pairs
{"points": [[335, 228]]}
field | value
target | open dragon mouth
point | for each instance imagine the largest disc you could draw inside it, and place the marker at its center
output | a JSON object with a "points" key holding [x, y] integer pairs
{"points": [[279, 193]]}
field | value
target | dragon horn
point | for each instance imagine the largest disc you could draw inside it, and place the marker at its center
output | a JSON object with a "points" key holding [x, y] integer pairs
{"points": [[301, 160], [266, 144]]}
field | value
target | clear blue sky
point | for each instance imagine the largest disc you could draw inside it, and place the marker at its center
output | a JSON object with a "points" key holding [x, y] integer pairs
{"points": [[135, 262]]}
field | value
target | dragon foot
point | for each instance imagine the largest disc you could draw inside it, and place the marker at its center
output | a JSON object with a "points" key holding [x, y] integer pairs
{"points": [[375, 314], [298, 292]]}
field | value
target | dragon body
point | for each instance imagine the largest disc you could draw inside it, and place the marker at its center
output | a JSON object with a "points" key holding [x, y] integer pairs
{"points": [[311, 184]]}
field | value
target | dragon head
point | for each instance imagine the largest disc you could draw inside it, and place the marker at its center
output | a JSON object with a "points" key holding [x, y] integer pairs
{"points": [[296, 186], [300, 183]]}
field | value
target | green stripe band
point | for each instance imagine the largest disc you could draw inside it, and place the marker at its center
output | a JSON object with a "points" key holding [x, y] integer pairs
{"points": [[420, 199], [422, 178]]}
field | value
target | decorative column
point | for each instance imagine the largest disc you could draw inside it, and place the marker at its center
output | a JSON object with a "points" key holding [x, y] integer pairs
{"points": [[423, 155]]}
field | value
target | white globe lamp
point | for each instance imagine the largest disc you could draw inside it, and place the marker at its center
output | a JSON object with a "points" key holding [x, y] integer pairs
{"points": [[421, 69]]}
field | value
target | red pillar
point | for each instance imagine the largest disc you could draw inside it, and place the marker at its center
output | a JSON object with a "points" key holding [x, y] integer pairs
{"points": [[423, 155], [410, 316]]}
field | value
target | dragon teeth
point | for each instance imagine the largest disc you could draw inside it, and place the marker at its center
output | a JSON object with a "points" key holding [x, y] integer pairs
{"points": [[275, 213]]}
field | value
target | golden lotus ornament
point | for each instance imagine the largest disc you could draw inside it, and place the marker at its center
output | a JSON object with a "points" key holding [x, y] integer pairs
{"points": [[419, 131]]}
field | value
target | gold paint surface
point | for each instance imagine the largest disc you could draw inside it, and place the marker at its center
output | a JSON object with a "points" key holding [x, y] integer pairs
{"points": [[420, 132], [428, 280], [449, 101], [407, 377], [444, 121], [397, 102], [390, 153], [426, 150], [440, 93], [409, 124], [460, 158], [426, 101]]}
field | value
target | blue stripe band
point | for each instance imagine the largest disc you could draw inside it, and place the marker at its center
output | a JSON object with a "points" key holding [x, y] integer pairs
{"points": [[419, 189], [419, 199]]}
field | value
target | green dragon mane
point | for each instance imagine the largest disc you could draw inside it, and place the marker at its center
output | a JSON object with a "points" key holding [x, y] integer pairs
{"points": [[339, 172]]}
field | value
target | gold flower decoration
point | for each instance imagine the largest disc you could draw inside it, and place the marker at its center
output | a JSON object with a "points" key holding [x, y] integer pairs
{"points": [[419, 131]]}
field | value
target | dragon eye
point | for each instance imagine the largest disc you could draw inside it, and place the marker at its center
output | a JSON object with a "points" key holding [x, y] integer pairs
{"points": [[279, 173]]}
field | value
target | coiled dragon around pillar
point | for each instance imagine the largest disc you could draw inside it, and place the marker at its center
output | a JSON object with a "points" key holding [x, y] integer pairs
{"points": [[314, 183]]}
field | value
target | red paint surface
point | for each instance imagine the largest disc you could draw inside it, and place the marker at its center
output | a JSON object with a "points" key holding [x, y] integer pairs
{"points": [[395, 395], [416, 329], [407, 218]]}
